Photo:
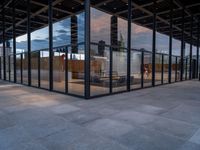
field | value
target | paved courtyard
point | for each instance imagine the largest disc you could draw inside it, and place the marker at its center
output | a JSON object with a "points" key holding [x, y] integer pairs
{"points": [[161, 118]]}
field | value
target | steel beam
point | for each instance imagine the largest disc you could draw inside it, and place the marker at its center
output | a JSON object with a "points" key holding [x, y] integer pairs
{"points": [[129, 44]]}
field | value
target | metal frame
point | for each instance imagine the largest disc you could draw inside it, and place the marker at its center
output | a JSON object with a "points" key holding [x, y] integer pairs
{"points": [[14, 41], [4, 51], [50, 15], [170, 40], [39, 85], [198, 40], [142, 70]]}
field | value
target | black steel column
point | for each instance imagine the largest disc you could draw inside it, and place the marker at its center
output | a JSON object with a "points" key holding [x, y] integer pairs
{"points": [[87, 49], [21, 68], [198, 37], [39, 85], [14, 41], [4, 46], [170, 41], [154, 44], [111, 69], [29, 42], [50, 45], [9, 67], [129, 44], [191, 43], [0, 68], [142, 69], [66, 70], [176, 69], [186, 69], [182, 43]]}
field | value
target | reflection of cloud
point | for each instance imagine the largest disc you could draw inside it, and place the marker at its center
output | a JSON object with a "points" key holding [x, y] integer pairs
{"points": [[39, 40], [61, 31], [139, 29]]}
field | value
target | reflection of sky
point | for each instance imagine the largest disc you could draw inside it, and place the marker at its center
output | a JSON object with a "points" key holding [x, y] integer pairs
{"points": [[141, 36], [100, 30], [61, 35]]}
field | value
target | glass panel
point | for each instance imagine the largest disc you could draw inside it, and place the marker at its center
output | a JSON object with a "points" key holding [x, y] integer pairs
{"points": [[100, 27], [11, 68], [40, 42], [111, 30], [34, 68], [187, 50], [165, 69], [100, 69], [184, 68], [119, 73], [18, 68], [44, 69], [178, 75], [162, 43], [59, 69], [76, 71], [136, 62], [25, 67], [187, 71], [158, 69], [10, 75], [176, 47], [147, 69], [62, 31], [173, 69], [141, 37]]}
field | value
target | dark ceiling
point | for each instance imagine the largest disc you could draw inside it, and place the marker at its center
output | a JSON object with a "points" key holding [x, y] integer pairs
{"points": [[142, 14]]}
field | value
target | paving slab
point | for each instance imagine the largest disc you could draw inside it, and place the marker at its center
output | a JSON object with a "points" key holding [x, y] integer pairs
{"points": [[160, 118]]}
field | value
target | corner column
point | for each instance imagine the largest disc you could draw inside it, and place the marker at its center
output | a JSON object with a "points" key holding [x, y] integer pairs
{"points": [[87, 49]]}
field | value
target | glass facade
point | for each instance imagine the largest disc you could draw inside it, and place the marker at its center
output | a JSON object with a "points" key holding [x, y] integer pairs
{"points": [[91, 49]]}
